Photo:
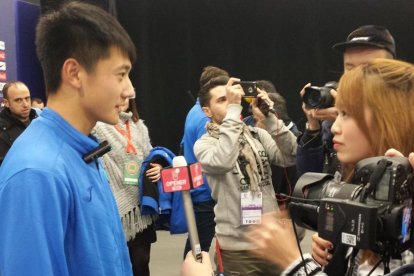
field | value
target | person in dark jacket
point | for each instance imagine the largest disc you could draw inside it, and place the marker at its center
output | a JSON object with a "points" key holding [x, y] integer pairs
{"points": [[315, 152], [16, 115]]}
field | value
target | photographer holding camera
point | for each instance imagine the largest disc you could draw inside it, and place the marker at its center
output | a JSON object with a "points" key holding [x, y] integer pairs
{"points": [[315, 151], [236, 161], [374, 114], [283, 178]]}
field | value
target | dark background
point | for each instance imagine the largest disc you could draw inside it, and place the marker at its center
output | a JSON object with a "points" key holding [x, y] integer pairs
{"points": [[285, 41]]}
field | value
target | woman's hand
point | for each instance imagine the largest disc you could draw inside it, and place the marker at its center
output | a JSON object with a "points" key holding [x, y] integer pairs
{"points": [[154, 173], [263, 97], [395, 153], [320, 249]]}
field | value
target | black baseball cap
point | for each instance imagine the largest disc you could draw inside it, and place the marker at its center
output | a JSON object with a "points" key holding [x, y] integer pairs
{"points": [[368, 35]]}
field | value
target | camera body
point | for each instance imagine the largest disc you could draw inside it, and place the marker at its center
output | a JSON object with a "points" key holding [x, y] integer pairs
{"points": [[373, 214], [319, 97], [249, 88]]}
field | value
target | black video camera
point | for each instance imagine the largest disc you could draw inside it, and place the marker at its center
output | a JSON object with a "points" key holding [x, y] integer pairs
{"points": [[249, 88], [319, 97], [375, 213]]}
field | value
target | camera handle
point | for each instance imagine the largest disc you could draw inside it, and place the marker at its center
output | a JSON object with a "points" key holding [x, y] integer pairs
{"points": [[374, 179]]}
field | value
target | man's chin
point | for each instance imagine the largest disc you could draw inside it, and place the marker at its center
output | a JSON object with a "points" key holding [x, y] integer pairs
{"points": [[113, 120], [23, 117]]}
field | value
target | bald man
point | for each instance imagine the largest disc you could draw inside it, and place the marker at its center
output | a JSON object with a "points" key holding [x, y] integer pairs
{"points": [[16, 115]]}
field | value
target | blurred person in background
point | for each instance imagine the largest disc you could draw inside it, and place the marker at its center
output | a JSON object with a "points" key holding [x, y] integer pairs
{"points": [[130, 143], [16, 115]]}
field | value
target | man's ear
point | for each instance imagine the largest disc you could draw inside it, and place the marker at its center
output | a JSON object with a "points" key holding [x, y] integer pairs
{"points": [[207, 111], [71, 73], [6, 103]]}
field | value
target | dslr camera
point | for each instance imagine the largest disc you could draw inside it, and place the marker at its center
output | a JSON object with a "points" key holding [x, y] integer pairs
{"points": [[319, 97], [373, 213]]}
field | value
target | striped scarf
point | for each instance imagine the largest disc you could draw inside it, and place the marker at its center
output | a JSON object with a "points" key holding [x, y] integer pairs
{"points": [[249, 163]]}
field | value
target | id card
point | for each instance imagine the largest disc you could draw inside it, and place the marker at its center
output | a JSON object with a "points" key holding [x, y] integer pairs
{"points": [[251, 208], [131, 172]]}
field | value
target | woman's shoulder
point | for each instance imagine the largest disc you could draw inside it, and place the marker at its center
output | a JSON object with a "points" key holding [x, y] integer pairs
{"points": [[141, 124]]}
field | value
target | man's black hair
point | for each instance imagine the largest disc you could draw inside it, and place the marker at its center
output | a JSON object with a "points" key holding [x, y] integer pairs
{"points": [[204, 95], [210, 72], [80, 31]]}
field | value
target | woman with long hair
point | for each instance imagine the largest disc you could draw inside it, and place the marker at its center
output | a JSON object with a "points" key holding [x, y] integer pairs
{"points": [[375, 104], [130, 143]]}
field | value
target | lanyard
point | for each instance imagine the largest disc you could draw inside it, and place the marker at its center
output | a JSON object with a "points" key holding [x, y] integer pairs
{"points": [[127, 134]]}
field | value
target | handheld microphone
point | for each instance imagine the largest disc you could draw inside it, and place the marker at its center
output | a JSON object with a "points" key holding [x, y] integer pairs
{"points": [[99, 151], [179, 161]]}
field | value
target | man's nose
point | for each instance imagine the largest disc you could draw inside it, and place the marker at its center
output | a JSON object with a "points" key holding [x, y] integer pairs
{"points": [[129, 92], [26, 102]]}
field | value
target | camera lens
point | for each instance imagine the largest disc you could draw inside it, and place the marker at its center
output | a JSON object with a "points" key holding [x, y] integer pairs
{"points": [[318, 97], [314, 98]]}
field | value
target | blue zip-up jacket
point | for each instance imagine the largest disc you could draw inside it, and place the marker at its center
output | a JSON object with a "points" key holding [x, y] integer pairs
{"points": [[57, 213], [195, 127], [169, 205]]}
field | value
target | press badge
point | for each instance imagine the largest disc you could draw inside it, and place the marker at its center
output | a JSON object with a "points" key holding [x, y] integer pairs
{"points": [[251, 208], [131, 172]]}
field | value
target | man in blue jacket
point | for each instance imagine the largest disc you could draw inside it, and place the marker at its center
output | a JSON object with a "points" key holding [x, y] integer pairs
{"points": [[57, 212]]}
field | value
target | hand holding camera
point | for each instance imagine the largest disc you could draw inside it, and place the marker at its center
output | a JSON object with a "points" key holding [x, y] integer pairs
{"points": [[234, 91], [249, 88], [318, 103], [320, 249], [261, 102]]}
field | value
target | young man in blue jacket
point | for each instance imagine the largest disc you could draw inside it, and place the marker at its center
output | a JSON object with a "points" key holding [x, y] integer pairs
{"points": [[57, 212]]}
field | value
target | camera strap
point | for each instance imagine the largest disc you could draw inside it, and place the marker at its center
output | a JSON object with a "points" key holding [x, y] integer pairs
{"points": [[354, 262]]}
